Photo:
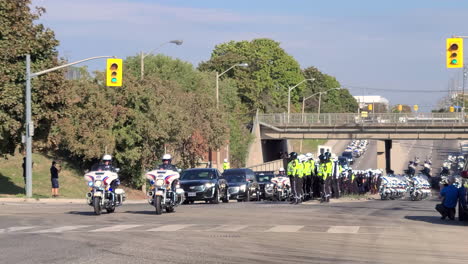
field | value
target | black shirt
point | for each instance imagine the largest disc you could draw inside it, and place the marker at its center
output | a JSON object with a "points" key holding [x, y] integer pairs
{"points": [[53, 172]]}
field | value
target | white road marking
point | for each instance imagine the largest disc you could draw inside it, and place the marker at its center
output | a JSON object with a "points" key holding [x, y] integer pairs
{"points": [[60, 229], [229, 228], [343, 229], [114, 228], [19, 228], [285, 228], [169, 228]]}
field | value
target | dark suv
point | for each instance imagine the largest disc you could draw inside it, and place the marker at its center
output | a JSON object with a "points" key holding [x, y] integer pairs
{"points": [[243, 185], [204, 185], [267, 188]]}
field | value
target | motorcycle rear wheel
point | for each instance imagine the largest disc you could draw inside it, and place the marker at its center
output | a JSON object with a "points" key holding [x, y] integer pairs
{"points": [[157, 205]]}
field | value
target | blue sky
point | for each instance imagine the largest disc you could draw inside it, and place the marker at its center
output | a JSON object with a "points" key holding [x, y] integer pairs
{"points": [[388, 45]]}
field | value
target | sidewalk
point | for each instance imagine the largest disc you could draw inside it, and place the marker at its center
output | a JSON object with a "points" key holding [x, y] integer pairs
{"points": [[59, 201]]}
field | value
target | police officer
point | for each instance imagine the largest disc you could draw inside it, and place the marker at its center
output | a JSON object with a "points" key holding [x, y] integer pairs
{"points": [[292, 173], [324, 172], [226, 165], [309, 168], [300, 179], [167, 163], [337, 170]]}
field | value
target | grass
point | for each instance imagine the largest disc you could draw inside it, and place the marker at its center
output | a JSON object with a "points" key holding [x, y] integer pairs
{"points": [[308, 145], [72, 184]]}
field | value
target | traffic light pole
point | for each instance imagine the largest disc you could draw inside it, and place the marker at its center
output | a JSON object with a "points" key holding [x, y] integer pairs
{"points": [[29, 124]]}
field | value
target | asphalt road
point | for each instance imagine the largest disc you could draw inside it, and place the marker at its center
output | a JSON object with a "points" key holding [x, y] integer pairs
{"points": [[262, 232]]}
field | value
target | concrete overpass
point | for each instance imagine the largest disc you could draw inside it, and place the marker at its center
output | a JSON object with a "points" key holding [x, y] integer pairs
{"points": [[383, 127]]}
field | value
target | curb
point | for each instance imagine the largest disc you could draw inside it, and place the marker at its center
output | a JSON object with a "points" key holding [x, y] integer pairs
{"points": [[58, 201]]}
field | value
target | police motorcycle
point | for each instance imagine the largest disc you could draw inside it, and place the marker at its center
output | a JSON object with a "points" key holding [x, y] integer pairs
{"points": [[445, 170], [385, 188], [420, 188], [282, 186], [103, 192], [401, 187], [411, 169], [426, 170], [165, 192]]}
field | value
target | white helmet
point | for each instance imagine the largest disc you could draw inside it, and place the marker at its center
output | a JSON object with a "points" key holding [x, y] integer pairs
{"points": [[107, 157], [167, 157], [226, 160], [302, 158], [281, 169], [309, 156]]}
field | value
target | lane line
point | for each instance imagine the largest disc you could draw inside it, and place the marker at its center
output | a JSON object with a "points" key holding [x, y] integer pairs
{"points": [[169, 228], [285, 228], [114, 228], [343, 229], [229, 228], [19, 228], [60, 229]]}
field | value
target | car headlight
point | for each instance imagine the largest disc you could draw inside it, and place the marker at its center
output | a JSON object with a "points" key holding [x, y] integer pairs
{"points": [[242, 187], [159, 182], [209, 185], [97, 183]]}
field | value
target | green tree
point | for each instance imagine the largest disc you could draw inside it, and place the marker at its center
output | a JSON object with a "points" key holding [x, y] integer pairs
{"points": [[264, 83], [20, 34], [335, 101]]}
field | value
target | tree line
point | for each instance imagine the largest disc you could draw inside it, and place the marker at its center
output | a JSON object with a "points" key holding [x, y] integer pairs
{"points": [[173, 107]]}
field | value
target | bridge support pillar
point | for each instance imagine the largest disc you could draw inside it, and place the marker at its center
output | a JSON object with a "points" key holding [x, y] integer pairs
{"points": [[384, 148]]}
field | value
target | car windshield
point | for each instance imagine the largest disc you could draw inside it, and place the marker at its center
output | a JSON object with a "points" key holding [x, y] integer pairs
{"points": [[264, 177], [197, 175], [347, 154], [234, 178]]}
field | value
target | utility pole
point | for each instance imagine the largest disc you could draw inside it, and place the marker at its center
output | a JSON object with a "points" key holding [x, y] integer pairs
{"points": [[29, 126]]}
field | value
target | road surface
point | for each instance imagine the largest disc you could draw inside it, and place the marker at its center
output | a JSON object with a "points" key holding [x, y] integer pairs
{"points": [[261, 232]]}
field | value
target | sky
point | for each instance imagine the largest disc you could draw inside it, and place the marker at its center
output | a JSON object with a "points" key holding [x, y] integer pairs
{"points": [[374, 47]]}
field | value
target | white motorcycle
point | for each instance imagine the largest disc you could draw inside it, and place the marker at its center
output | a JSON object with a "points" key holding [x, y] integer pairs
{"points": [[103, 193], [283, 187], [165, 192]]}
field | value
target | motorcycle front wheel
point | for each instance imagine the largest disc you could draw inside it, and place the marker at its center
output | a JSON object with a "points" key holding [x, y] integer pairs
{"points": [[97, 205], [157, 204]]}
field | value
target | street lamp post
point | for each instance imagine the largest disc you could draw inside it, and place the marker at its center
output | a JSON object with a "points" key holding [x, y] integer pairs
{"points": [[289, 94], [318, 116], [143, 55], [29, 124], [218, 75]]}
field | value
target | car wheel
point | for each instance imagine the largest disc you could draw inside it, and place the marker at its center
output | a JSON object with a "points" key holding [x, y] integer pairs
{"points": [[247, 196], [215, 199]]}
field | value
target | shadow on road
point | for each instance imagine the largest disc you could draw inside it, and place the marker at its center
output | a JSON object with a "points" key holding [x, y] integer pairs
{"points": [[148, 212], [82, 213], [436, 220]]}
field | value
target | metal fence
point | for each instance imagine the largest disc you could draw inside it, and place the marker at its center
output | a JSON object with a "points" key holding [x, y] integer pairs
{"points": [[268, 166], [343, 119]]}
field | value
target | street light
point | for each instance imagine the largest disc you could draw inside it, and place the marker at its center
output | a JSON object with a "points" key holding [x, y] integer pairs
{"points": [[217, 98], [289, 94], [320, 99], [143, 55], [29, 124], [219, 75]]}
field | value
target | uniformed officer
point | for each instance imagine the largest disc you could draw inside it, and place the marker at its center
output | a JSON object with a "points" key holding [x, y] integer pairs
{"points": [[336, 174], [292, 173], [300, 179], [324, 172], [310, 171]]}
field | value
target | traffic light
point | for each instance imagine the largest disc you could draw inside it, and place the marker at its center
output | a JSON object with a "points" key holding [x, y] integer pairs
{"points": [[452, 109], [416, 107], [370, 107], [400, 107], [454, 53], [114, 72]]}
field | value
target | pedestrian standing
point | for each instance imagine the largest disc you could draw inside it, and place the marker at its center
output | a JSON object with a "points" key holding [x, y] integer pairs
{"points": [[54, 171], [292, 173]]}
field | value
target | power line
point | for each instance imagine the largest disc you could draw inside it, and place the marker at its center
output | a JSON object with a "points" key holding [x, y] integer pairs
{"points": [[393, 90]]}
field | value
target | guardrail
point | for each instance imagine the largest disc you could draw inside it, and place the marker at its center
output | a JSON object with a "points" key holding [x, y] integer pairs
{"points": [[343, 119], [268, 166]]}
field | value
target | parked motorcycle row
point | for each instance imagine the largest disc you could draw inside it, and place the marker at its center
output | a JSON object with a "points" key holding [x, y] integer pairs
{"points": [[401, 186], [454, 162], [426, 167]]}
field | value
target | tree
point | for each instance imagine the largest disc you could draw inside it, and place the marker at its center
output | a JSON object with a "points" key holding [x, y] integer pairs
{"points": [[335, 101], [20, 34], [264, 83]]}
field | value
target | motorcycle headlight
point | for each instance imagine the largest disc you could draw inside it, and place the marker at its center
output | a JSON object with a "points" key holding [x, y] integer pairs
{"points": [[159, 182], [209, 185], [97, 183], [90, 184], [242, 187]]}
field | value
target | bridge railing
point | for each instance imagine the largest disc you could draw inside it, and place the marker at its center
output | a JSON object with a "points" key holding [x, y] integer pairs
{"points": [[274, 165], [343, 119]]}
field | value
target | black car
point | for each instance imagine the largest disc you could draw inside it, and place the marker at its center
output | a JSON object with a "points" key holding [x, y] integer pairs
{"points": [[204, 185], [267, 188], [243, 185], [349, 156]]}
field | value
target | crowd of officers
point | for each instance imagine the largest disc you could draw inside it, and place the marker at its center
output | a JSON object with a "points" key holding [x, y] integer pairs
{"points": [[325, 178]]}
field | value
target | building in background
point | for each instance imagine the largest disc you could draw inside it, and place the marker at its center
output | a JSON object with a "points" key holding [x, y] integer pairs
{"points": [[379, 103]]}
